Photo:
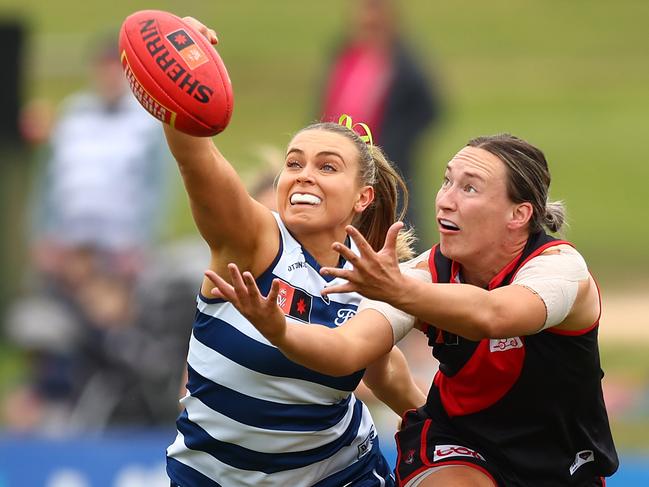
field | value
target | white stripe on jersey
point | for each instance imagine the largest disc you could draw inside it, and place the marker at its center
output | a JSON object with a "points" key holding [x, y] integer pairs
{"points": [[311, 281], [293, 267], [258, 439], [299, 477], [217, 368]]}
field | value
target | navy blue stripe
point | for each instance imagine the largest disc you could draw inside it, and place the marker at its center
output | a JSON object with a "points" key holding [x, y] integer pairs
{"points": [[265, 414], [186, 476], [360, 472], [331, 314], [272, 265], [245, 459], [251, 354]]}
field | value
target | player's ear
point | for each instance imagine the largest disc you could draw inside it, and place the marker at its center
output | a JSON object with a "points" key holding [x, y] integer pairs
{"points": [[364, 198], [521, 215]]}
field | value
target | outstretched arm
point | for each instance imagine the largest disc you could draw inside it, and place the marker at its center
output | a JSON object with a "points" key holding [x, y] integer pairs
{"points": [[226, 216], [390, 380], [462, 309], [332, 351]]}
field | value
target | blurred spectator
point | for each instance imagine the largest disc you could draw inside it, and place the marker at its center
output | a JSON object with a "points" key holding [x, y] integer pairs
{"points": [[262, 185], [376, 79], [98, 209], [103, 181]]}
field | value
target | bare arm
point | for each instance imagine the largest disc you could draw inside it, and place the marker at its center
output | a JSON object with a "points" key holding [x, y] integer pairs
{"points": [[390, 380], [229, 220], [473, 312], [462, 309], [225, 214], [333, 351]]}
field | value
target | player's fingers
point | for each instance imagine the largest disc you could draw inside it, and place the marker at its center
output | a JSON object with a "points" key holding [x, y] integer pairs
{"points": [[338, 288], [195, 24], [251, 286], [335, 272], [237, 281], [212, 276], [199, 26], [274, 291], [363, 246], [222, 289], [391, 237], [346, 252]]}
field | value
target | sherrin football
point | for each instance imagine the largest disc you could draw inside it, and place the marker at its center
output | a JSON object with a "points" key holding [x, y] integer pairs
{"points": [[175, 73]]}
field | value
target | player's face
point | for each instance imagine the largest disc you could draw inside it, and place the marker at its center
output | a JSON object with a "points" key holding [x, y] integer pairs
{"points": [[472, 206], [318, 189]]}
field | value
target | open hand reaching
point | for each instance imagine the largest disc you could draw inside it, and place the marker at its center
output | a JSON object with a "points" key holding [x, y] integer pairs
{"points": [[376, 275], [263, 312]]}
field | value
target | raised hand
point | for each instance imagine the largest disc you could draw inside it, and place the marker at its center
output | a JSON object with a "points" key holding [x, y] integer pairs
{"points": [[243, 293], [209, 34], [375, 275]]}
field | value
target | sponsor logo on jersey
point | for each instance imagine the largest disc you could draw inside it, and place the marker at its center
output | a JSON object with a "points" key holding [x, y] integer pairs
{"points": [[366, 446], [581, 458], [187, 48], [294, 302], [504, 344], [343, 315], [446, 452], [296, 265], [169, 65]]}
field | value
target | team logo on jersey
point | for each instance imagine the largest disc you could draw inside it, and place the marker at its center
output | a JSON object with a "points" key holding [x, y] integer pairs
{"points": [[444, 452], [187, 48], [343, 315], [410, 456], [503, 344], [294, 302], [581, 458]]}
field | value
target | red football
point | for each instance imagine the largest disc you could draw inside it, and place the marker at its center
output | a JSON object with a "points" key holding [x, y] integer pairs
{"points": [[175, 73]]}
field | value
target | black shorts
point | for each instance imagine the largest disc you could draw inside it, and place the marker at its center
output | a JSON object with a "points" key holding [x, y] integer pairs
{"points": [[421, 447], [424, 443]]}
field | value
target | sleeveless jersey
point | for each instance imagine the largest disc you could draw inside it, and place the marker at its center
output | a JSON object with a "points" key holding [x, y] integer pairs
{"points": [[254, 418], [533, 403]]}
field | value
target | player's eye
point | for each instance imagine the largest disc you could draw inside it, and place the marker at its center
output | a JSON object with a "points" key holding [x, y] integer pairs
{"points": [[292, 163]]}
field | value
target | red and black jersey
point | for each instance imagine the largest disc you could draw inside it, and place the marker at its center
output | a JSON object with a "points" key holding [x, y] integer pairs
{"points": [[534, 403]]}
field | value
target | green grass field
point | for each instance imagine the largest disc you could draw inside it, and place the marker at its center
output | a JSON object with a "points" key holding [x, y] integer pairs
{"points": [[571, 77]]}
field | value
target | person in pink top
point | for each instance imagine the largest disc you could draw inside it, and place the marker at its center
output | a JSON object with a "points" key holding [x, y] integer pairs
{"points": [[375, 77]]}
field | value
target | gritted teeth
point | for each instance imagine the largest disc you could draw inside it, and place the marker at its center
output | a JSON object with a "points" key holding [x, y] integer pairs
{"points": [[305, 198], [448, 224]]}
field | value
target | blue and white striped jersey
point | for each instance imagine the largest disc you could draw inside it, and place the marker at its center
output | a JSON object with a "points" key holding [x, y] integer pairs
{"points": [[254, 418]]}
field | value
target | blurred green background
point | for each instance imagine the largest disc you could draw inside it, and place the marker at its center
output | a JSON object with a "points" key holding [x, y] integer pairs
{"points": [[571, 77]]}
